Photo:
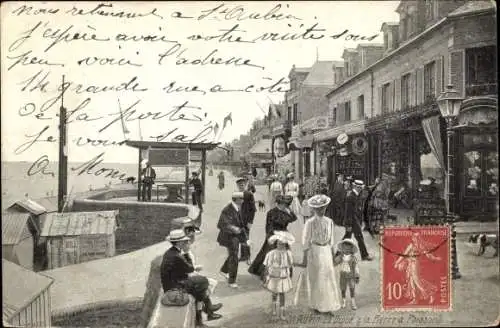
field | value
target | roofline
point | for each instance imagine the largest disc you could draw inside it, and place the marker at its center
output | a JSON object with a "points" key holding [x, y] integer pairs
{"points": [[175, 145], [432, 28], [390, 55], [52, 280]]}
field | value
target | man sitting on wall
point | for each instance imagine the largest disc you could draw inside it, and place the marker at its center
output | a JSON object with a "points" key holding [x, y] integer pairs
{"points": [[175, 269]]}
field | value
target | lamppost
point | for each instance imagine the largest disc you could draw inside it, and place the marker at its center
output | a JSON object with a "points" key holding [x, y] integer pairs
{"points": [[449, 103]]}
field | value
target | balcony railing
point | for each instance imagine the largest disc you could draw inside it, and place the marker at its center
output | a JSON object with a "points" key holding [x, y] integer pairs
{"points": [[483, 89]]}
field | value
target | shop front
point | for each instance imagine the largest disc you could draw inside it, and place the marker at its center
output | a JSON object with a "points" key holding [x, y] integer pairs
{"points": [[343, 150], [399, 150], [476, 149]]}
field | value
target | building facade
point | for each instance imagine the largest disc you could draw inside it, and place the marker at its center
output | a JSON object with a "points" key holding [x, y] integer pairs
{"points": [[305, 103], [386, 103]]}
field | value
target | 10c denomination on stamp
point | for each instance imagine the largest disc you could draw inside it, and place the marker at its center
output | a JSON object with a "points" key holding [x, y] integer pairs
{"points": [[416, 268]]}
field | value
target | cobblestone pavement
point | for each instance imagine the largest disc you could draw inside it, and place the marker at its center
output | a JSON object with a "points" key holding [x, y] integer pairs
{"points": [[475, 295]]}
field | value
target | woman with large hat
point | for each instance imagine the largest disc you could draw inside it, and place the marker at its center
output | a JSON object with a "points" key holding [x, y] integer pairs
{"points": [[275, 189], [318, 241], [292, 189], [277, 219]]}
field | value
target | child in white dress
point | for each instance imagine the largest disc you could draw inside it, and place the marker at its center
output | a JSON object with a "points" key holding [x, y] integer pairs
{"points": [[278, 263]]}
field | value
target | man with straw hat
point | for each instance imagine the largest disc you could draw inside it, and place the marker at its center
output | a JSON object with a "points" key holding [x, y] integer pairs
{"points": [[354, 210], [148, 179], [247, 212], [231, 234], [175, 269]]}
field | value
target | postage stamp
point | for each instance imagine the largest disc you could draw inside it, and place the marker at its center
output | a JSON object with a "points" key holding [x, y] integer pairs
{"points": [[415, 265]]}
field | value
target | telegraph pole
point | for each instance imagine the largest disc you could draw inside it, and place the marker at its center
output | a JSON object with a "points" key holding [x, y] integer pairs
{"points": [[63, 155]]}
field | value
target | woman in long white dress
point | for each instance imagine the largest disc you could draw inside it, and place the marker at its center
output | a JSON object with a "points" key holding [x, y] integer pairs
{"points": [[318, 240], [292, 189]]}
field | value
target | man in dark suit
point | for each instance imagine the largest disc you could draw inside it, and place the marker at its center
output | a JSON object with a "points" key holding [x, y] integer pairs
{"points": [[337, 194], [231, 234], [198, 190], [175, 269], [248, 211], [354, 217], [148, 179]]}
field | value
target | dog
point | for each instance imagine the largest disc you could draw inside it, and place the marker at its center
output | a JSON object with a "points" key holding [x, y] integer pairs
{"points": [[484, 241], [130, 180], [262, 205]]}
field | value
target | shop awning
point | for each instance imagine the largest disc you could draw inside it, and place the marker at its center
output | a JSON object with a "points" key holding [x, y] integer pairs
{"points": [[263, 146], [349, 129]]}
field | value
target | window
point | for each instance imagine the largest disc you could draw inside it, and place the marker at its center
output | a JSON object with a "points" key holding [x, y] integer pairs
{"points": [[347, 111], [289, 114], [481, 70], [361, 107], [481, 65], [430, 9], [404, 31], [334, 116], [295, 114], [385, 98], [405, 91], [430, 81]]}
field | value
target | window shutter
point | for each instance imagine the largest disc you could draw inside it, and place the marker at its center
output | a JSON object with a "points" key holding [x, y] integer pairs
{"points": [[439, 76], [380, 111], [397, 94], [456, 68], [420, 85], [390, 101]]}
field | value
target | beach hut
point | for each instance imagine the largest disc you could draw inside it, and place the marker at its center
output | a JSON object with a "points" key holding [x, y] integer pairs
{"points": [[19, 236], [77, 237], [25, 297]]}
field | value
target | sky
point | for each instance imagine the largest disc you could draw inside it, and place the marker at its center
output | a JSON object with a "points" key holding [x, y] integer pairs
{"points": [[163, 44]]}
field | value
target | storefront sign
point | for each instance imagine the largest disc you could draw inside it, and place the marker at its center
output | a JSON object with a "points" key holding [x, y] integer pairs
{"points": [[279, 147], [321, 123]]}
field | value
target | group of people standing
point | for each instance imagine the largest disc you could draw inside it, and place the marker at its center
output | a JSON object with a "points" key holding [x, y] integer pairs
{"points": [[274, 263]]}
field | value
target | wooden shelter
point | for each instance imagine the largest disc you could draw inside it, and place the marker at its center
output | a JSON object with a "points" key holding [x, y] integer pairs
{"points": [[25, 297], [19, 237], [77, 237], [171, 154]]}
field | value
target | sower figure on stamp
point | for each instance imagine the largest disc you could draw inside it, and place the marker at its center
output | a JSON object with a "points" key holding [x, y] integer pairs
{"points": [[354, 217], [409, 263], [349, 269], [231, 234], [176, 268], [148, 179]]}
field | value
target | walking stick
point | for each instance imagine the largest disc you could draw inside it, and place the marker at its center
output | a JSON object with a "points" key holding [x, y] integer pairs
{"points": [[297, 290]]}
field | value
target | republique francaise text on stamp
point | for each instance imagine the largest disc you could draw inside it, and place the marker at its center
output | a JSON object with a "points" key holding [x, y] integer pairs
{"points": [[416, 268]]}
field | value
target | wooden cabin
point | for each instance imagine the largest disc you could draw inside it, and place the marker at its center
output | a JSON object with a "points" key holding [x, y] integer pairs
{"points": [[19, 237], [77, 237], [25, 297], [38, 211]]}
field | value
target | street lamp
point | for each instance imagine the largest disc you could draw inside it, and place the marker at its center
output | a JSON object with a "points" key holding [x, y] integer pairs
{"points": [[449, 103]]}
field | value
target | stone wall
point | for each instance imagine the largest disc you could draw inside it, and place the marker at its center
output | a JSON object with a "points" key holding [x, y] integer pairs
{"points": [[140, 224]]}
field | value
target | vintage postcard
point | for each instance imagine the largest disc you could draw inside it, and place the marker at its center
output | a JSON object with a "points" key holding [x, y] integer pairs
{"points": [[247, 164]]}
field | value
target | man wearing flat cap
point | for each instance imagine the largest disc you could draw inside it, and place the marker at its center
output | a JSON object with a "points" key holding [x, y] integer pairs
{"points": [[195, 182], [354, 217], [231, 234], [248, 211]]}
